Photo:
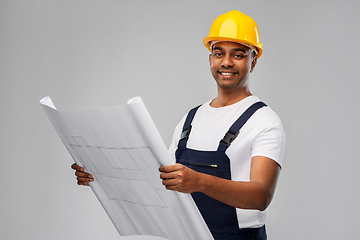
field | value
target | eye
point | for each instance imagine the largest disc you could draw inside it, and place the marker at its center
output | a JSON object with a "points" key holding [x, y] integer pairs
{"points": [[239, 56], [217, 54]]}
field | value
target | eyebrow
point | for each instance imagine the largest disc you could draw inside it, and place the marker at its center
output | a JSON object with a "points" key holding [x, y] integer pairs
{"points": [[232, 50], [239, 49]]}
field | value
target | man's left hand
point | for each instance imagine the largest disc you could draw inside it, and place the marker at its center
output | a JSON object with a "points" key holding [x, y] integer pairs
{"points": [[180, 178]]}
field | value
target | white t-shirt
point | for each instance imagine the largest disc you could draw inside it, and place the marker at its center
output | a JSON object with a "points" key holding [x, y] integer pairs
{"points": [[262, 135]]}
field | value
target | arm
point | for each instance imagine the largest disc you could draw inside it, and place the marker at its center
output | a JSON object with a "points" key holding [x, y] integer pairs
{"points": [[255, 194], [82, 177]]}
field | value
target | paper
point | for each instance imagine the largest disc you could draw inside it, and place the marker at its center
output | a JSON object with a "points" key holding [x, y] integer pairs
{"points": [[121, 147]]}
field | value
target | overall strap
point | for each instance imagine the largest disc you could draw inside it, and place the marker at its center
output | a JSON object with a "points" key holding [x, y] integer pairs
{"points": [[235, 128], [187, 127]]}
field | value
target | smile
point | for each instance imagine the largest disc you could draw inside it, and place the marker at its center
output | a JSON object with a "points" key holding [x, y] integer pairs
{"points": [[227, 73]]}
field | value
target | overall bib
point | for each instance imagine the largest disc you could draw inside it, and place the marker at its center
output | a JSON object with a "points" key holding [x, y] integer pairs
{"points": [[219, 217]]}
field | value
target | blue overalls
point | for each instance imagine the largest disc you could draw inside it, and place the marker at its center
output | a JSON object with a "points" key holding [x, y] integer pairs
{"points": [[219, 217]]}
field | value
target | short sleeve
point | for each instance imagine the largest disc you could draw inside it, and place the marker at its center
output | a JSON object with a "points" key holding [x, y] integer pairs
{"points": [[270, 142]]}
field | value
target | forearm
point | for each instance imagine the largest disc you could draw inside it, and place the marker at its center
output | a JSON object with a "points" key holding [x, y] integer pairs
{"points": [[245, 195], [254, 194]]}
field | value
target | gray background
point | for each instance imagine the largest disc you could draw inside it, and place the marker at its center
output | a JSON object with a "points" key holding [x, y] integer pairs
{"points": [[86, 53]]}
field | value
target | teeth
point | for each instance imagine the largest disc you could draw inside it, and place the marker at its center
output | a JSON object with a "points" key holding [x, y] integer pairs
{"points": [[227, 74]]}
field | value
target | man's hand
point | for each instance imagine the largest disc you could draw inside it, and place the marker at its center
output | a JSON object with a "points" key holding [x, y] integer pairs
{"points": [[82, 177], [180, 178]]}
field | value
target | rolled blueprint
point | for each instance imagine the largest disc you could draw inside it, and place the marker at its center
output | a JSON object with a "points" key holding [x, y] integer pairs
{"points": [[149, 130], [121, 147]]}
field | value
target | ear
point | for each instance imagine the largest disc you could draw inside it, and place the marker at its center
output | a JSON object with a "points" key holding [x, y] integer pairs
{"points": [[253, 63], [210, 58]]}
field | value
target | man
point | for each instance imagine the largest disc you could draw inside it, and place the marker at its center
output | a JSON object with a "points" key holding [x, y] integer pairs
{"points": [[232, 178]]}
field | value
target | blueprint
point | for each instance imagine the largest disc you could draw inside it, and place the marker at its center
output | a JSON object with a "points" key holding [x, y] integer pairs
{"points": [[121, 147]]}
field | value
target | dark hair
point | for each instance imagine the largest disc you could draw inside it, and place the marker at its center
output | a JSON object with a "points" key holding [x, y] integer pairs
{"points": [[253, 53]]}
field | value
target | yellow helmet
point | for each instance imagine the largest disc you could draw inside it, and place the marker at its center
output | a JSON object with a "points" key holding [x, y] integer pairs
{"points": [[235, 26]]}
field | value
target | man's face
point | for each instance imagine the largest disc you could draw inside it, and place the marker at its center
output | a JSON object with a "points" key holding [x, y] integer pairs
{"points": [[231, 64]]}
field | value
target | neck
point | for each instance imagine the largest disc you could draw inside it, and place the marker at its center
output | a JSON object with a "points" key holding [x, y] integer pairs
{"points": [[228, 98]]}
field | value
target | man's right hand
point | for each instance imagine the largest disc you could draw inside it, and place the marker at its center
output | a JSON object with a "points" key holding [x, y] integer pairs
{"points": [[83, 178]]}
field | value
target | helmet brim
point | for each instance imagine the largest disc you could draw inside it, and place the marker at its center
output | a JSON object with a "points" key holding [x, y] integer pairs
{"points": [[207, 42]]}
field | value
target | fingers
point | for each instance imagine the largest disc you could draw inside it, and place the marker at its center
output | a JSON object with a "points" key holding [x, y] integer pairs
{"points": [[180, 178], [167, 175], [84, 175], [171, 171], [170, 183], [83, 181], [77, 168], [176, 177], [83, 178]]}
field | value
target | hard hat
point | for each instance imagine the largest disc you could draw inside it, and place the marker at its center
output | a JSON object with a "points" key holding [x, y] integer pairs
{"points": [[235, 26]]}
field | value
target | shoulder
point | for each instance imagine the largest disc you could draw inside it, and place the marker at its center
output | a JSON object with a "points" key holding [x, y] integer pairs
{"points": [[268, 116], [264, 116]]}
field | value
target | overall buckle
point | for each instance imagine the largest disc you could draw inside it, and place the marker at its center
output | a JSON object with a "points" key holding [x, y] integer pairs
{"points": [[229, 138], [185, 134]]}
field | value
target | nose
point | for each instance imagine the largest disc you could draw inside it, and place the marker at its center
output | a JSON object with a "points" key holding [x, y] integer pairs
{"points": [[227, 61]]}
